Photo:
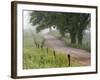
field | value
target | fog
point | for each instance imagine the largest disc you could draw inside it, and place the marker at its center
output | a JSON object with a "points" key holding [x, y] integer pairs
{"points": [[28, 25]]}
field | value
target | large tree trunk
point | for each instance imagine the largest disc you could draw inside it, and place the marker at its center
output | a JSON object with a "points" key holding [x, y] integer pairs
{"points": [[73, 37], [80, 36]]}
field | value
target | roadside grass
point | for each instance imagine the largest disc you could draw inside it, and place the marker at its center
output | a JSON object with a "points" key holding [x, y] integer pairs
{"points": [[39, 58], [85, 46], [34, 57]]}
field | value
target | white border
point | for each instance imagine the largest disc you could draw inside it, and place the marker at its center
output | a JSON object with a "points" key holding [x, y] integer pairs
{"points": [[21, 72]]}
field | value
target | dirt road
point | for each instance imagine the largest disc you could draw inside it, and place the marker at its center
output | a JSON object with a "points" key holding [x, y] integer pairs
{"points": [[58, 45]]}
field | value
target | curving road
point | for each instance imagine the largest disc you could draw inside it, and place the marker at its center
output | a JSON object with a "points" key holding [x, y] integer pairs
{"points": [[58, 45]]}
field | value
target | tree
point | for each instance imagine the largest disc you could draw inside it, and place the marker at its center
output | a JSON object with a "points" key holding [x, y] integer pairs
{"points": [[73, 23], [84, 20]]}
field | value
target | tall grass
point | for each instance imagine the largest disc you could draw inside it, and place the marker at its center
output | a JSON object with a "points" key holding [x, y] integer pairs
{"points": [[39, 58]]}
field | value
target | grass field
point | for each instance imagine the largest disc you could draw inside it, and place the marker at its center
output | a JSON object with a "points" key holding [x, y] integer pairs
{"points": [[34, 57]]}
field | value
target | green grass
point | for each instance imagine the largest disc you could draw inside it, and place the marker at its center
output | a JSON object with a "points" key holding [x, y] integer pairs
{"points": [[34, 57], [39, 58], [83, 46]]}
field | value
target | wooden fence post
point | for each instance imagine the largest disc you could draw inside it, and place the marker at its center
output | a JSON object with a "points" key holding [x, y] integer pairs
{"points": [[68, 59], [54, 53]]}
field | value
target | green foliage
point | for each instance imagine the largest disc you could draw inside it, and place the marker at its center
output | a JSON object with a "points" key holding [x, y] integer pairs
{"points": [[73, 23]]}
